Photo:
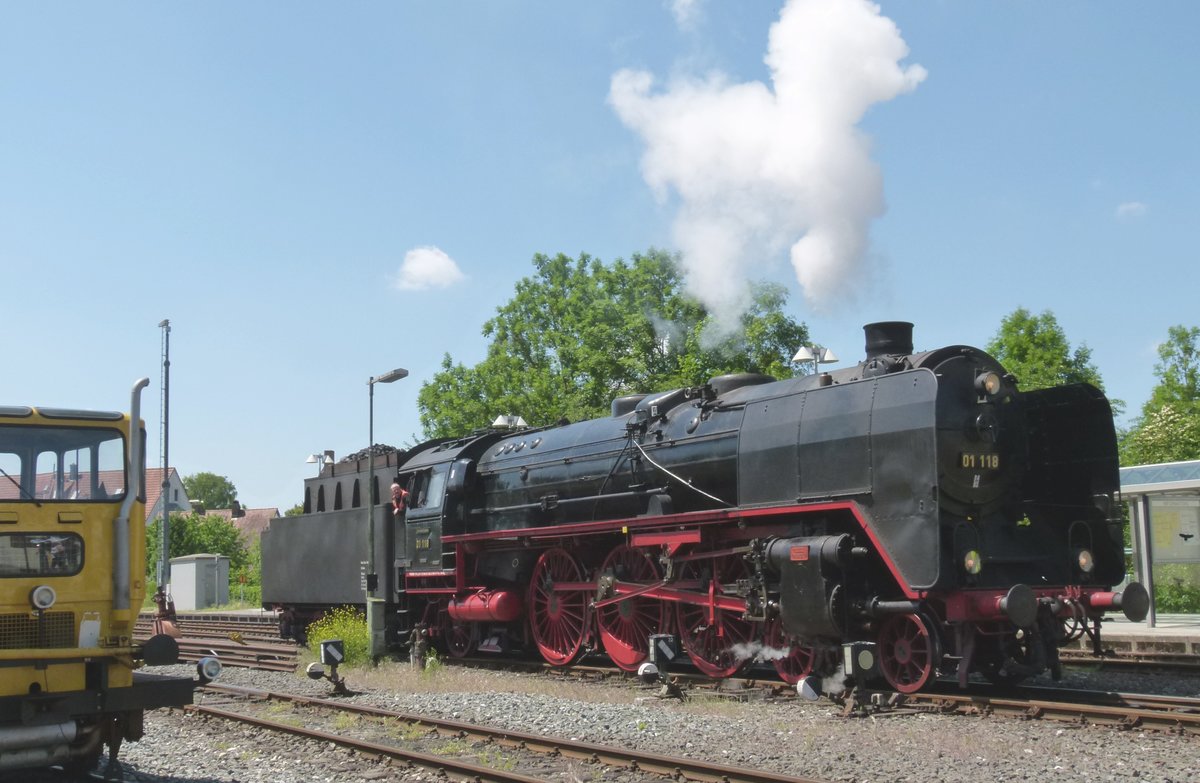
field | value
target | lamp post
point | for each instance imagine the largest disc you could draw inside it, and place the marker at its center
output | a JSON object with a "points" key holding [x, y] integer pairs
{"points": [[164, 562], [375, 623], [815, 354], [320, 460]]}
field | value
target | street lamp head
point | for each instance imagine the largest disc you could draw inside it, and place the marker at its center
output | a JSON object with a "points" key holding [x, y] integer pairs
{"points": [[815, 354], [805, 354], [390, 376]]}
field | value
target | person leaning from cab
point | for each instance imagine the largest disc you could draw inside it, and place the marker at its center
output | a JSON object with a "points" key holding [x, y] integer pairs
{"points": [[399, 499]]}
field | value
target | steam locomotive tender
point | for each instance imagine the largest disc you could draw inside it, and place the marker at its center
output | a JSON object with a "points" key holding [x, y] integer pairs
{"points": [[917, 502]]}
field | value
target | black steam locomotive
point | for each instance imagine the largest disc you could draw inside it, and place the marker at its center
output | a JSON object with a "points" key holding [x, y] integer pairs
{"points": [[917, 504]]}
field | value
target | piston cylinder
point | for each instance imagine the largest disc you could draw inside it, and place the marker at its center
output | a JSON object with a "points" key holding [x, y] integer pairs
{"points": [[487, 606]]}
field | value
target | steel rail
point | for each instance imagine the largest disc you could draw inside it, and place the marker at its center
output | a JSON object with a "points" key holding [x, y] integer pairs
{"points": [[445, 765], [1151, 712], [671, 766], [271, 657], [1184, 662]]}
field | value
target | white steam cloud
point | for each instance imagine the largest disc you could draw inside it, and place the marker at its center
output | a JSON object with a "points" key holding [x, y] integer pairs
{"points": [[685, 11], [427, 267], [759, 168], [759, 652]]}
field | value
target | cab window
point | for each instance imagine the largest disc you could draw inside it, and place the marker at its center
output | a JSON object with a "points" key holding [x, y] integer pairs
{"points": [[426, 487], [40, 554], [61, 464]]}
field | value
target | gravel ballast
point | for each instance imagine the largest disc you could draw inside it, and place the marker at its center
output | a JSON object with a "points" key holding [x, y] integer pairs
{"points": [[787, 736]]}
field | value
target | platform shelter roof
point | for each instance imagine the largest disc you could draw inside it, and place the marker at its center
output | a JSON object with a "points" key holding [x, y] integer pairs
{"points": [[1165, 477]]}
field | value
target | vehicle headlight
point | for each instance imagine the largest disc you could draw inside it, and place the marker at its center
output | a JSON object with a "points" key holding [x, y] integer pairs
{"points": [[42, 597], [209, 669], [987, 383], [973, 562], [1084, 559]]}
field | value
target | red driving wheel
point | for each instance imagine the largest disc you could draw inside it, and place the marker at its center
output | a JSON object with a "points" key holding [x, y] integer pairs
{"points": [[558, 618], [907, 652], [717, 640], [461, 639], [795, 659], [626, 626]]}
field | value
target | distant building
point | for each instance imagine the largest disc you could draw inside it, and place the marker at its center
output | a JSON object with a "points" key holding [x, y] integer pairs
{"points": [[250, 522], [111, 484], [177, 494]]}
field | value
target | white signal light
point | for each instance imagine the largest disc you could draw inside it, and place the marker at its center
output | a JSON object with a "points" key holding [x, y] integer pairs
{"points": [[973, 562], [1085, 561]]}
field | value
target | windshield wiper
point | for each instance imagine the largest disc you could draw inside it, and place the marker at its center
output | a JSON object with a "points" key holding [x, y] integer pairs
{"points": [[24, 492]]}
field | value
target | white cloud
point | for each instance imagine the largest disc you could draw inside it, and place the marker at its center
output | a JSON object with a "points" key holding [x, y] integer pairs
{"points": [[759, 168], [1131, 210], [685, 11], [427, 267]]}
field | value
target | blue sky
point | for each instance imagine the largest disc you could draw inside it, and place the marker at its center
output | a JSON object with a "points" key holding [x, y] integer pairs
{"points": [[258, 174]]}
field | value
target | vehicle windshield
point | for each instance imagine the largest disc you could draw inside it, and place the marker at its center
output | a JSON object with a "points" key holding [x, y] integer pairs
{"points": [[61, 464]]}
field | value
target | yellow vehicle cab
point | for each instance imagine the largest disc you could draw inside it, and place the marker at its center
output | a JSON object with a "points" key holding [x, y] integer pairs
{"points": [[72, 566]]}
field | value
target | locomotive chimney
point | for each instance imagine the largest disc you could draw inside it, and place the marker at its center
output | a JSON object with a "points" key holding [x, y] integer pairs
{"points": [[888, 337]]}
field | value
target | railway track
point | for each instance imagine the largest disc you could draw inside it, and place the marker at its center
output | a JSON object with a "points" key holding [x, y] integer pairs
{"points": [[1126, 710], [238, 640], [250, 626], [480, 753], [259, 647], [1175, 714], [1134, 660]]}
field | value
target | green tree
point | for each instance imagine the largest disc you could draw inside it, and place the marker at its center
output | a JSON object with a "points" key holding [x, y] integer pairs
{"points": [[193, 534], [1035, 349], [246, 580], [295, 510], [210, 490], [578, 333], [1169, 427], [1169, 434], [1178, 371]]}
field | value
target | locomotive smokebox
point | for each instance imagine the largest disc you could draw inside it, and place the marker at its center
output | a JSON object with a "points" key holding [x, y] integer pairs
{"points": [[888, 337]]}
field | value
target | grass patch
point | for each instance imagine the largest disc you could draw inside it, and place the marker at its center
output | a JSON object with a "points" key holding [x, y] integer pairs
{"points": [[494, 759], [409, 732], [345, 720], [452, 747]]}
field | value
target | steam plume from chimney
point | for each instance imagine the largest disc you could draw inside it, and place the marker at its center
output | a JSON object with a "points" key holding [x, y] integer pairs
{"points": [[759, 168]]}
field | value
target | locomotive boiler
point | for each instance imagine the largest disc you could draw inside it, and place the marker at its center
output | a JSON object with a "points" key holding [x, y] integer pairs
{"points": [[919, 502]]}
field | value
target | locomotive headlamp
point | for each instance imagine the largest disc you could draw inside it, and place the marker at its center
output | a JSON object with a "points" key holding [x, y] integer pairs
{"points": [[1084, 559], [973, 562], [42, 597], [987, 383]]}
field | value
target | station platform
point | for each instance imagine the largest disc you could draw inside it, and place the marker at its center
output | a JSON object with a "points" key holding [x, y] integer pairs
{"points": [[1172, 634]]}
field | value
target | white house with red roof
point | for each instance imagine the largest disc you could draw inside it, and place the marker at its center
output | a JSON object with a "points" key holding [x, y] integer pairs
{"points": [[177, 494], [111, 484]]}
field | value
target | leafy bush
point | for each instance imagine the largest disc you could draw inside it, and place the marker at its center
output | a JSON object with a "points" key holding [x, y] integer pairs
{"points": [[349, 625], [1177, 588]]}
